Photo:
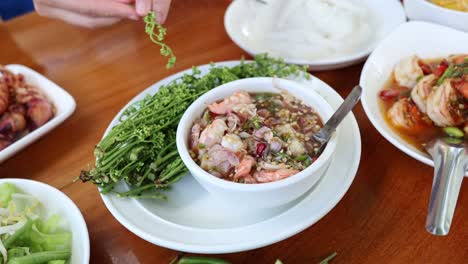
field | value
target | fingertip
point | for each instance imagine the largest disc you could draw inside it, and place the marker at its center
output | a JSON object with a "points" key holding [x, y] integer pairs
{"points": [[142, 8]]}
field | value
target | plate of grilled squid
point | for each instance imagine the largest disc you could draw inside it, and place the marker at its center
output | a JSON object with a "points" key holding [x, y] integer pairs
{"points": [[30, 106], [415, 87]]}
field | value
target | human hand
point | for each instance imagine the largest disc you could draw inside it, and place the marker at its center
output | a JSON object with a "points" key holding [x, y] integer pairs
{"points": [[87, 13], [160, 7]]}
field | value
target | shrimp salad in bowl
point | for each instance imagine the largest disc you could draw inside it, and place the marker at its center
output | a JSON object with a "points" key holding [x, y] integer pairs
{"points": [[425, 99], [255, 137], [250, 140]]}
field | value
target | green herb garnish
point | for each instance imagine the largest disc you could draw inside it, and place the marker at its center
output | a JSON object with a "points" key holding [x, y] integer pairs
{"points": [[448, 72], [141, 150], [158, 37], [454, 132]]}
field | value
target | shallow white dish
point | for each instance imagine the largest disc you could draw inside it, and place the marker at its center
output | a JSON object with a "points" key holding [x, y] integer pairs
{"points": [[192, 221], [56, 202], [387, 14], [265, 195], [423, 39], [63, 102], [426, 11]]}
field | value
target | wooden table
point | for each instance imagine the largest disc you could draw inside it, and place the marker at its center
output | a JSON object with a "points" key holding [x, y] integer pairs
{"points": [[380, 220]]}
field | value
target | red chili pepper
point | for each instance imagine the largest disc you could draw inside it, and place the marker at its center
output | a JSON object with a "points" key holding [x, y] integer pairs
{"points": [[213, 115], [426, 68], [260, 149], [389, 95], [462, 86], [441, 68]]}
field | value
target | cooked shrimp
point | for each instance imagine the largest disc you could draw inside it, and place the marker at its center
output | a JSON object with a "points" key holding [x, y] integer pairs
{"points": [[439, 105], [405, 115], [271, 176], [4, 97], [244, 168], [219, 159], [194, 136], [458, 59], [422, 90], [233, 121], [408, 71], [213, 133], [240, 102], [232, 142]]}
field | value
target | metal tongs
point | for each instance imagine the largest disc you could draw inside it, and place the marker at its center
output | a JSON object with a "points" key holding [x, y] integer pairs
{"points": [[450, 157]]}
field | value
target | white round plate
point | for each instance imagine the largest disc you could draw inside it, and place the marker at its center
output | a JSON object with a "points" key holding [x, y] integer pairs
{"points": [[56, 202], [387, 14], [192, 221]]}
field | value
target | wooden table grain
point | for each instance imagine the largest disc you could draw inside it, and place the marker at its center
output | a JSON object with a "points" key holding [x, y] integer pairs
{"points": [[380, 220]]}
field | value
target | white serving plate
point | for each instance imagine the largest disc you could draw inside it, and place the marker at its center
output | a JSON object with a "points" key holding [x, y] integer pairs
{"points": [[388, 14], [56, 202], [423, 39], [192, 221], [63, 102], [426, 11]]}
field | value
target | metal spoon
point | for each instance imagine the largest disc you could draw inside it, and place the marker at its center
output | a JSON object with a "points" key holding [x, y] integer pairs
{"points": [[324, 134], [450, 164]]}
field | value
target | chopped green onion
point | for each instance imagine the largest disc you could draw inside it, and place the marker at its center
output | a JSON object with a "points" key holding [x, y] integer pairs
{"points": [[448, 72], [302, 158], [454, 132]]}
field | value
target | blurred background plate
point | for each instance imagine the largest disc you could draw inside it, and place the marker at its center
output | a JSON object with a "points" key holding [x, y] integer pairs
{"points": [[387, 15], [63, 103], [56, 202]]}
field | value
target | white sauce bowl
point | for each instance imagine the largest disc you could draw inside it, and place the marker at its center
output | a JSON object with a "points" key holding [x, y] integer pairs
{"points": [[425, 11], [264, 195]]}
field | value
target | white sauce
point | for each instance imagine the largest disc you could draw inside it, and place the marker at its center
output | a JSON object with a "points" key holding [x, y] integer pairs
{"points": [[310, 29]]}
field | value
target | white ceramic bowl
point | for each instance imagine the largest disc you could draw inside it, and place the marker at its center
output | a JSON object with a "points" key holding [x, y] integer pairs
{"points": [[388, 15], [56, 202], [423, 39], [63, 102], [263, 195], [426, 11]]}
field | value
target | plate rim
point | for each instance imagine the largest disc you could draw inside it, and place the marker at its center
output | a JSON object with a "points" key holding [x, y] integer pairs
{"points": [[230, 247]]}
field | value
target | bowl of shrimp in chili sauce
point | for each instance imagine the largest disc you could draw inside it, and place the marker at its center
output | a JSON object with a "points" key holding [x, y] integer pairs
{"points": [[250, 141], [415, 93]]}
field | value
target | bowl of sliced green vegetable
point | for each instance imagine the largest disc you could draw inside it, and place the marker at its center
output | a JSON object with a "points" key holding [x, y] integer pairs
{"points": [[40, 224]]}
